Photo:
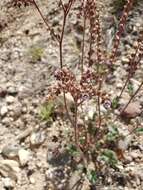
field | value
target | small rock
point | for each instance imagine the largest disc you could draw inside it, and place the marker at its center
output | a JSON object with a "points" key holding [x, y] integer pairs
{"points": [[125, 59], [10, 99], [73, 181], [3, 110], [7, 121], [19, 124], [138, 182], [91, 112], [25, 133], [9, 168], [131, 111], [86, 185], [24, 156], [37, 138], [32, 180], [8, 183], [103, 109], [135, 154], [128, 159], [16, 110], [12, 90], [124, 143], [119, 85], [10, 151]]}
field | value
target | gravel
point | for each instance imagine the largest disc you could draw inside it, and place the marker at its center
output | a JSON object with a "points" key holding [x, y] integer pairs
{"points": [[32, 153]]}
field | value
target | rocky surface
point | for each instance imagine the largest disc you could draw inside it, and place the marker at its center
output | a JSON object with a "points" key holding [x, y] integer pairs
{"points": [[28, 59]]}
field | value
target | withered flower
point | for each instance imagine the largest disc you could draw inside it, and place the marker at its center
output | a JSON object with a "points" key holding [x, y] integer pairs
{"points": [[19, 3]]}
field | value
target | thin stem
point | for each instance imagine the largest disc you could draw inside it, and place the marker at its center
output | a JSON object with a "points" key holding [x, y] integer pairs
{"points": [[61, 58], [129, 74], [90, 48], [127, 80], [75, 125], [133, 96], [98, 104], [83, 44], [65, 11], [61, 42], [45, 21], [61, 2]]}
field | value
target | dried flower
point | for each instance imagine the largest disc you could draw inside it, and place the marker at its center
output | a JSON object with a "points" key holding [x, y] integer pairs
{"points": [[19, 3], [120, 30]]}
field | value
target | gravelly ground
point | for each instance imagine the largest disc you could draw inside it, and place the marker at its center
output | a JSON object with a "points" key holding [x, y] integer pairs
{"points": [[24, 84]]}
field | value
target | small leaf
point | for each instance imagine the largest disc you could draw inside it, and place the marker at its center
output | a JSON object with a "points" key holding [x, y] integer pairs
{"points": [[109, 157], [47, 111], [139, 130], [92, 176], [73, 150], [115, 103], [130, 89], [113, 133]]}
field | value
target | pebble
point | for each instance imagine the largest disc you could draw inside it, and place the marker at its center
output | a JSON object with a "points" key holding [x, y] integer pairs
{"points": [[7, 121], [24, 156], [10, 151], [16, 109], [135, 154], [9, 168], [91, 112], [32, 180], [3, 110], [12, 90], [86, 185], [123, 144], [127, 158], [125, 59], [37, 138], [74, 179], [8, 183], [10, 99], [25, 133], [131, 111]]}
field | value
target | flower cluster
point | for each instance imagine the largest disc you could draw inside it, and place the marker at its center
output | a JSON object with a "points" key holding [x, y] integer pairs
{"points": [[120, 30], [92, 15], [25, 3], [80, 90], [136, 57]]}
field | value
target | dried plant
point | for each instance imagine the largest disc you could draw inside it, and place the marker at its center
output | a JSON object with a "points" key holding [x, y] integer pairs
{"points": [[95, 64]]}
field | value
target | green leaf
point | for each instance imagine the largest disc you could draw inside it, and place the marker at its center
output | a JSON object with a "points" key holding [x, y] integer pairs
{"points": [[36, 53], [109, 157], [130, 89], [139, 130], [47, 111], [115, 103], [73, 150], [82, 140], [113, 133], [92, 176]]}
